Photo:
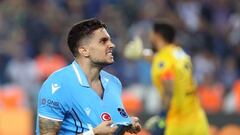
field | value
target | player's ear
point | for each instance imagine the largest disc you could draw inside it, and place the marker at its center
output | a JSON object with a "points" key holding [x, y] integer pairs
{"points": [[83, 50]]}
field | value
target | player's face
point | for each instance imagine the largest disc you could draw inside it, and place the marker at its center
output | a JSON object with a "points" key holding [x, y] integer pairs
{"points": [[101, 48]]}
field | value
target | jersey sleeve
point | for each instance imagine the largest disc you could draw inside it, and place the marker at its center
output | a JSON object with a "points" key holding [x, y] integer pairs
{"points": [[52, 100], [164, 68]]}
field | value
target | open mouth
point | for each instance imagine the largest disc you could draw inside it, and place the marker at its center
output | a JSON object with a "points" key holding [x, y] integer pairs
{"points": [[110, 54]]}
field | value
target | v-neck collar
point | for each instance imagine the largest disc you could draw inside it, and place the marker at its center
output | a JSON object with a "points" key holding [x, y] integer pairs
{"points": [[82, 79]]}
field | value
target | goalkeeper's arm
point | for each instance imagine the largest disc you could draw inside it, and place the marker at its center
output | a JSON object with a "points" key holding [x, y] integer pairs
{"points": [[156, 125], [166, 100], [134, 50]]}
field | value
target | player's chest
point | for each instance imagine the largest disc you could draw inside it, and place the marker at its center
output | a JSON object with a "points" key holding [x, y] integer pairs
{"points": [[88, 103]]}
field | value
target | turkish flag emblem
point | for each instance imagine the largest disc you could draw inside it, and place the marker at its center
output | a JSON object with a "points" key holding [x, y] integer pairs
{"points": [[106, 116]]}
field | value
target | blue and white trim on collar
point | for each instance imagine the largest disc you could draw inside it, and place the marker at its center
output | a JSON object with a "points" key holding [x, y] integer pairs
{"points": [[82, 79]]}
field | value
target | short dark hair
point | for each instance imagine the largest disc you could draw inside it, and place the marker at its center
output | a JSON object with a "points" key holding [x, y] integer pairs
{"points": [[166, 30], [80, 31]]}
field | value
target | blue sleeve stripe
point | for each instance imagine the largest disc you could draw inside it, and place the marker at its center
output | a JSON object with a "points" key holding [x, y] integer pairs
{"points": [[77, 119], [75, 123]]}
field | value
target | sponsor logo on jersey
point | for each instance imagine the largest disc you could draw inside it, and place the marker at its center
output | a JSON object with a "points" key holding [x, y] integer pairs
{"points": [[51, 103], [106, 116], [122, 112]]}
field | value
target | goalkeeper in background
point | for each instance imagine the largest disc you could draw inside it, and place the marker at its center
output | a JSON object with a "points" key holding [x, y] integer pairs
{"points": [[181, 113]]}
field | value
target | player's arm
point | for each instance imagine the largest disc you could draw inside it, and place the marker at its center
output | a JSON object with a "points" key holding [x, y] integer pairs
{"points": [[167, 80], [49, 127], [166, 77], [167, 93], [134, 50], [148, 55]]}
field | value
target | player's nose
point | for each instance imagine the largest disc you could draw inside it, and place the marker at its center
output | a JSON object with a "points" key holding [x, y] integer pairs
{"points": [[112, 45]]}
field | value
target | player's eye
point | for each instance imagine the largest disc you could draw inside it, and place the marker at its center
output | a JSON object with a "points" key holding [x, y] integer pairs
{"points": [[104, 40]]}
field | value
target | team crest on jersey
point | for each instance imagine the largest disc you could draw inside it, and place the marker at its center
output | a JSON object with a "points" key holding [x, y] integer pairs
{"points": [[106, 116], [122, 112], [161, 64]]}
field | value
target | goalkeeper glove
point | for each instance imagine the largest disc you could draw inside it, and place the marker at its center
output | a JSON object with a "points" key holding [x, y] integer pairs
{"points": [[157, 124], [133, 49], [162, 123]]}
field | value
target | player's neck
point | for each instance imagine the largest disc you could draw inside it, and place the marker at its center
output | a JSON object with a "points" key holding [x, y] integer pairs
{"points": [[163, 45], [92, 72]]}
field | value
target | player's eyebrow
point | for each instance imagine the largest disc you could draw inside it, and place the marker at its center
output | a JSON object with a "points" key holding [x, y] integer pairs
{"points": [[104, 39]]}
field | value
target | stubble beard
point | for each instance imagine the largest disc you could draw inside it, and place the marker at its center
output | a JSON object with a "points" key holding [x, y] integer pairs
{"points": [[101, 64]]}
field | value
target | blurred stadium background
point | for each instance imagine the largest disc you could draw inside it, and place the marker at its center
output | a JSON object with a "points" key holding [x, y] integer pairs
{"points": [[33, 45]]}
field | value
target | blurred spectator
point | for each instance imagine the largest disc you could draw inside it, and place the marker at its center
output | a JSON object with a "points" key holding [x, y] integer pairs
{"points": [[204, 63], [232, 99], [116, 18], [234, 22], [230, 129], [236, 54], [211, 94], [132, 102], [14, 112], [132, 6], [236, 92], [228, 72], [12, 96], [92, 8], [189, 12], [21, 69], [48, 60]]}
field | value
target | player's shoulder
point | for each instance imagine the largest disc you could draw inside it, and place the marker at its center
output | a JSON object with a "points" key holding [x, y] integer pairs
{"points": [[179, 53], [54, 85], [61, 74], [171, 54], [165, 54], [58, 77]]}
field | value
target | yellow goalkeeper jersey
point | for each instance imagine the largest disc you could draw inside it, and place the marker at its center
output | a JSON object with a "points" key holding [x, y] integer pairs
{"points": [[171, 62]]}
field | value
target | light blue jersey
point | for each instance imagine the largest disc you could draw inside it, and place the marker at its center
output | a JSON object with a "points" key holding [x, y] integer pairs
{"points": [[67, 97]]}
